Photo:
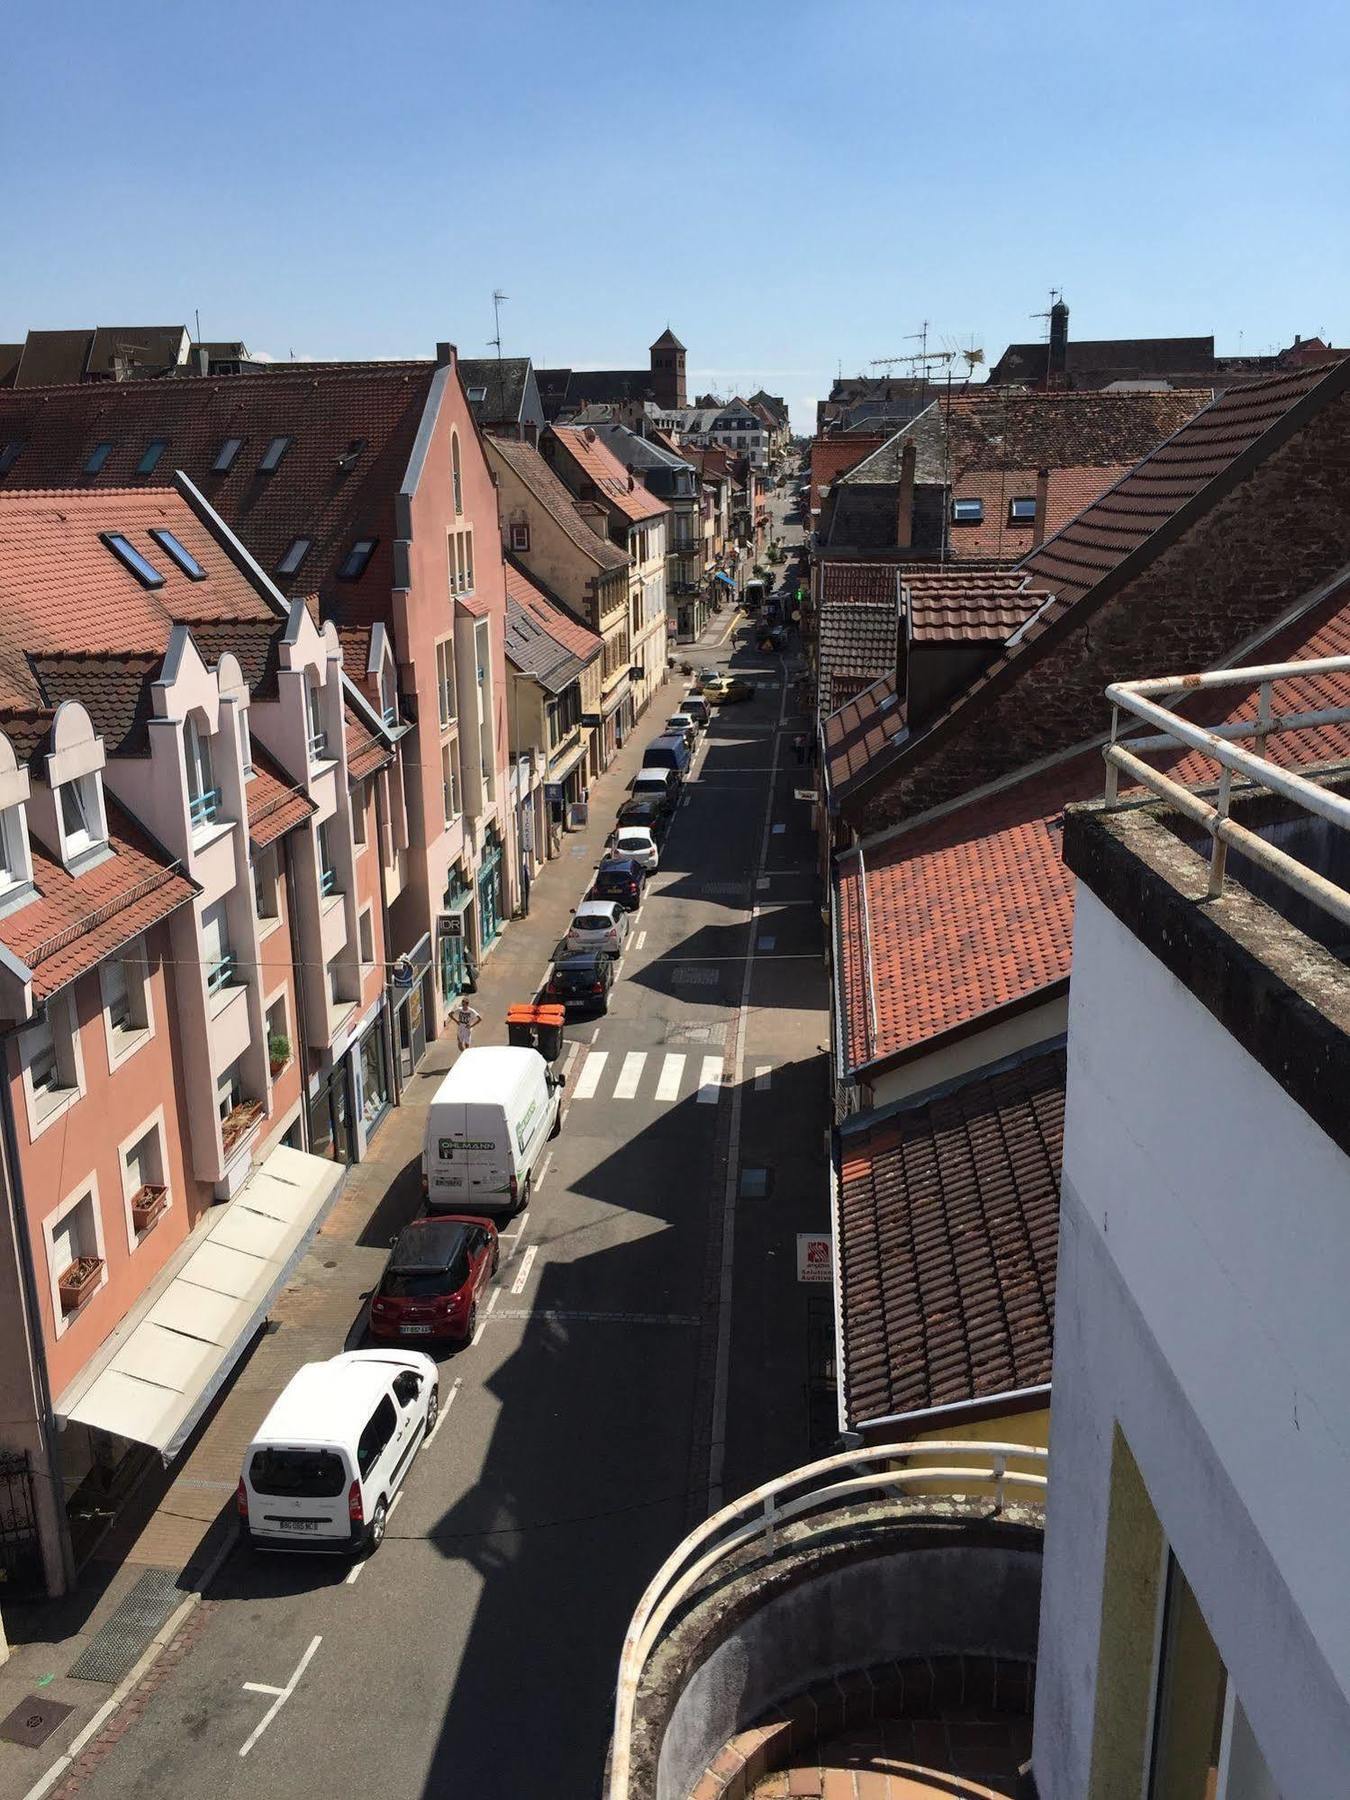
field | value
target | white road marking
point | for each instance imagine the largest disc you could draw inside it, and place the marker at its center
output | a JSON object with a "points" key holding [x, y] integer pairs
{"points": [[554, 1316], [543, 1170], [283, 1694], [261, 1687], [672, 1069], [639, 940], [494, 1297], [523, 1273], [710, 1081], [626, 1087], [450, 1399], [394, 1504], [763, 1073], [589, 1079]]}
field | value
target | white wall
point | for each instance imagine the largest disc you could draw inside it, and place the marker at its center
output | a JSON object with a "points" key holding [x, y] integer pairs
{"points": [[1202, 1302]]}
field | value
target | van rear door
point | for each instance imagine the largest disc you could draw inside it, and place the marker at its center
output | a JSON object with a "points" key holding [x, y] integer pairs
{"points": [[298, 1492], [486, 1155]]}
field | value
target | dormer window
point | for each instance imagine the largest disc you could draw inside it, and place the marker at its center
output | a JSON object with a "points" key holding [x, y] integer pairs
{"points": [[272, 455], [203, 794], [967, 512], [97, 457], [296, 553], [14, 865], [225, 456], [81, 815], [477, 395], [153, 451], [1022, 510], [353, 564], [318, 736], [388, 697], [179, 552]]}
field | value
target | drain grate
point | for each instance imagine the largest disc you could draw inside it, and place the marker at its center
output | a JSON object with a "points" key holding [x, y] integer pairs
{"points": [[33, 1721], [127, 1634]]}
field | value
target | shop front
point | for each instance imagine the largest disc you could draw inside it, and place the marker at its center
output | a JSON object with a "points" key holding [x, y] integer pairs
{"points": [[410, 1001], [374, 1095], [491, 890], [332, 1115], [452, 939]]}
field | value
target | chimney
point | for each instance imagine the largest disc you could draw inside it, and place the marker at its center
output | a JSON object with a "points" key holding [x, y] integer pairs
{"points": [[445, 354], [203, 360], [1042, 506], [904, 502], [1059, 344]]}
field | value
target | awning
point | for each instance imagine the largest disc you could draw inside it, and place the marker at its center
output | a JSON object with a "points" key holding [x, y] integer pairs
{"points": [[617, 698], [157, 1374], [560, 771], [719, 576]]}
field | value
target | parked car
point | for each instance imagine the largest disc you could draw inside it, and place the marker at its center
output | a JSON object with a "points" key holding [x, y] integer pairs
{"points": [[598, 925], [638, 842], [436, 1271], [669, 751], [581, 982], [486, 1129], [697, 708], [645, 814], [729, 690], [619, 878], [659, 785], [326, 1462], [684, 725]]}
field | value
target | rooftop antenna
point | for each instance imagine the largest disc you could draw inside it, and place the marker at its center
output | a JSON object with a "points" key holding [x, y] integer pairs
{"points": [[197, 315], [1056, 294]]}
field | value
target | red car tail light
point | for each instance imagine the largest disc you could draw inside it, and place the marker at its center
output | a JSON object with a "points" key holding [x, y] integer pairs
{"points": [[599, 988], [241, 1499], [356, 1511], [515, 1190]]}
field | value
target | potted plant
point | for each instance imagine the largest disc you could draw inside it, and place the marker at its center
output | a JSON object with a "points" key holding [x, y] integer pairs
{"points": [[237, 1123], [78, 1282], [147, 1203], [278, 1051]]}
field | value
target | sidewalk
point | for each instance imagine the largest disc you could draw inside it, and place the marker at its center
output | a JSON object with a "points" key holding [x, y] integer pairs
{"points": [[182, 1522]]}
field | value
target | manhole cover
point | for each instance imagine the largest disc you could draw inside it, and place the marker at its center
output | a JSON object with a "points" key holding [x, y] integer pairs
{"points": [[754, 1184], [33, 1721], [696, 1034], [692, 975], [119, 1646]]}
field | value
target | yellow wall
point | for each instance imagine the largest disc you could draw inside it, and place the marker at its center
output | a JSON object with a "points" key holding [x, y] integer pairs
{"points": [[1031, 1428]]}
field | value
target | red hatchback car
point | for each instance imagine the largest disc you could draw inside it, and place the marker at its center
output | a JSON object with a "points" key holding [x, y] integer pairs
{"points": [[431, 1284]]}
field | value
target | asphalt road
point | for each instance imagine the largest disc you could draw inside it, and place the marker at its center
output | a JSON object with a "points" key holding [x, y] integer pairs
{"points": [[643, 1357]]}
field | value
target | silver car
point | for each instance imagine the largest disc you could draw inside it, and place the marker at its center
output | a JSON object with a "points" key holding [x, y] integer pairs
{"points": [[598, 925]]}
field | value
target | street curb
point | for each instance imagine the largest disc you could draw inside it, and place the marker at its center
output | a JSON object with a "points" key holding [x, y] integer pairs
{"points": [[130, 1682]]}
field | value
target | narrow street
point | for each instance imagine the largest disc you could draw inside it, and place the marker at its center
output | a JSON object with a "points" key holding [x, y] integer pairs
{"points": [[644, 1355]]}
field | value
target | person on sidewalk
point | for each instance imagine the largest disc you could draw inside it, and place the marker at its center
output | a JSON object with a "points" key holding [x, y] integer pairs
{"points": [[799, 747], [465, 1017]]}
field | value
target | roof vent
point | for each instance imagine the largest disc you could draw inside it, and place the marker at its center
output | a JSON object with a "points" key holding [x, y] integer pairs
{"points": [[631, 483], [347, 460], [590, 434]]}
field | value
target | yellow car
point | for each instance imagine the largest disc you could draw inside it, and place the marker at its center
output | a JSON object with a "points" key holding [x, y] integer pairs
{"points": [[727, 690]]}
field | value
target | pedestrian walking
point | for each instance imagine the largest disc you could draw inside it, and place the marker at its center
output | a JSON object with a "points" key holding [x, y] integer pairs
{"points": [[465, 1018], [799, 747]]}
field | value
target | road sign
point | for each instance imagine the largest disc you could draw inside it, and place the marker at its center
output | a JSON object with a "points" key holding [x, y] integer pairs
{"points": [[804, 793], [814, 1262]]}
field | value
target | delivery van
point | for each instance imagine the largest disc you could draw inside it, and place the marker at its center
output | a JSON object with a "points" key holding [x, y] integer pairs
{"points": [[487, 1125], [668, 752]]}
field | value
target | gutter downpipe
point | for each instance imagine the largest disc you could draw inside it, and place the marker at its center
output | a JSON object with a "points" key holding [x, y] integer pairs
{"points": [[378, 846], [955, 1407]]}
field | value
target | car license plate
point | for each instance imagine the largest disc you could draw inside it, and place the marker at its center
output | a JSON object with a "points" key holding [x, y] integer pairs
{"points": [[299, 1524], [415, 1330]]}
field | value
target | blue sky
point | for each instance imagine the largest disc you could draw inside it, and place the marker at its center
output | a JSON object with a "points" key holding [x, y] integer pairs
{"points": [[792, 186]]}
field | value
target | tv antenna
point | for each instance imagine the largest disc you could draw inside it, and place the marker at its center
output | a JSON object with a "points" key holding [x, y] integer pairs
{"points": [[497, 297]]}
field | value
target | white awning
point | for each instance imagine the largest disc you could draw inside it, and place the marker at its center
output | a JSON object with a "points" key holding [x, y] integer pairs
{"points": [[562, 770], [159, 1370]]}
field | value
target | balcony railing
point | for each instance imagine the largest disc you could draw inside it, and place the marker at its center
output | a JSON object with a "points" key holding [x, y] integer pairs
{"points": [[328, 882], [221, 974], [970, 1469], [1222, 745], [318, 746], [204, 807]]}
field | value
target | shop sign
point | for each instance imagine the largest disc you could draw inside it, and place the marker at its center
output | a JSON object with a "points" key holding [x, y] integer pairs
{"points": [[593, 720], [814, 1261], [450, 925], [402, 974]]}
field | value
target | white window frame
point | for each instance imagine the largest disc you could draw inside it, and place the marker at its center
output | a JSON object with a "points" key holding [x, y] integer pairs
{"points": [[456, 475], [447, 697], [86, 792], [325, 857], [87, 1189], [16, 859], [271, 1002], [451, 804], [203, 794], [153, 1124], [268, 863], [316, 732], [217, 994], [123, 1041], [245, 742], [520, 537], [45, 1106]]}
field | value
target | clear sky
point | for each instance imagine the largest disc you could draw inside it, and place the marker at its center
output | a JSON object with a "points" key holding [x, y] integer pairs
{"points": [[791, 184]]}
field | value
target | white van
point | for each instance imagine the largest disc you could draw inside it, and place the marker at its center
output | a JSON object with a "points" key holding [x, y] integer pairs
{"points": [[326, 1462], [487, 1126], [659, 785]]}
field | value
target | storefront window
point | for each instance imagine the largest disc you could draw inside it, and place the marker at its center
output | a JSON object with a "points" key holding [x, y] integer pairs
{"points": [[330, 1118], [374, 1078]]}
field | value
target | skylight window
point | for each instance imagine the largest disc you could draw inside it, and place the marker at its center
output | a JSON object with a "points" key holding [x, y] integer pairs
{"points": [[476, 395], [9, 455], [1022, 511], [353, 564], [273, 454], [97, 457], [226, 454], [186, 561], [295, 555], [130, 558], [153, 451], [967, 512]]}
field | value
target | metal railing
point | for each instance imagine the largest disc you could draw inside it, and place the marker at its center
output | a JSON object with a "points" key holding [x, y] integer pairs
{"points": [[1222, 745], [203, 807], [965, 1469]]}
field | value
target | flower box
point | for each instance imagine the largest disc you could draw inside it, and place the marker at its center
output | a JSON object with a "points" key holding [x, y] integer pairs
{"points": [[79, 1282], [240, 1122], [147, 1203]]}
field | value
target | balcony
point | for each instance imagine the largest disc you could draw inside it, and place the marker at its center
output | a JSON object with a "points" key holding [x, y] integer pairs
{"points": [[204, 808], [221, 975], [237, 1124], [876, 1610]]}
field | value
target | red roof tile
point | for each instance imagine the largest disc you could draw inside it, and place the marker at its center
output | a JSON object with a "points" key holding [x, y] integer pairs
{"points": [[77, 920], [859, 730], [275, 804], [873, 583], [566, 630], [605, 472], [948, 1243], [949, 603], [365, 752], [834, 456]]}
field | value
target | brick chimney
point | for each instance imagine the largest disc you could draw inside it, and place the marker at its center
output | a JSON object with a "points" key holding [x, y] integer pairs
{"points": [[1042, 506], [904, 500], [1059, 344]]}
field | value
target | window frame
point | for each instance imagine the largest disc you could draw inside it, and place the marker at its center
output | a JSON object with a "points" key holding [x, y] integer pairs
{"points": [[973, 513], [456, 475], [325, 861], [357, 560], [203, 800], [92, 832], [270, 460], [220, 975], [267, 864], [98, 456], [85, 1192], [67, 1065], [123, 1041], [316, 732], [296, 551], [227, 455], [177, 551], [131, 559], [520, 537], [447, 716], [152, 456], [152, 1126]]}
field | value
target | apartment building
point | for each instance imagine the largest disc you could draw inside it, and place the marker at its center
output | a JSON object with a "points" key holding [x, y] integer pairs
{"points": [[547, 534], [675, 483], [194, 962], [366, 487]]}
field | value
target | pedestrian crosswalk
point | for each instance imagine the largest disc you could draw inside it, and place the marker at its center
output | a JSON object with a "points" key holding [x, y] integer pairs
{"points": [[643, 1075]]}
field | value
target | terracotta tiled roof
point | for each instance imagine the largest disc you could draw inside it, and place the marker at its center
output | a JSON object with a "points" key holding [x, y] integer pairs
{"points": [[254, 643], [351, 429], [598, 463], [355, 641], [63, 592], [365, 752], [876, 583], [275, 804], [950, 604], [858, 731], [77, 920], [948, 1243], [550, 493]]}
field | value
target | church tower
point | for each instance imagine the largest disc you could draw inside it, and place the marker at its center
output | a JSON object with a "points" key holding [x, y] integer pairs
{"points": [[668, 371]]}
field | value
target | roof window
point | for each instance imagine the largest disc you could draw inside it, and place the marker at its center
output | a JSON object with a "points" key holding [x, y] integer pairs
{"points": [[349, 456], [180, 553], [476, 395], [273, 454], [9, 454], [153, 451], [967, 512], [295, 555], [226, 454], [353, 564], [1022, 510], [97, 457], [130, 558]]}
